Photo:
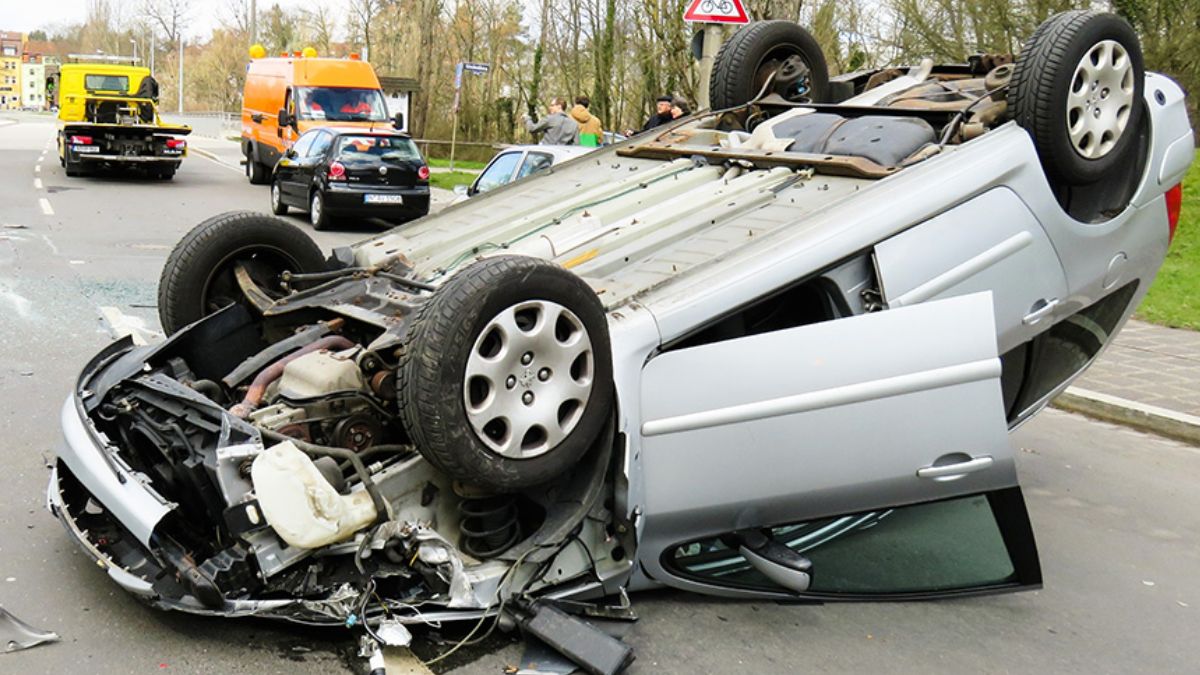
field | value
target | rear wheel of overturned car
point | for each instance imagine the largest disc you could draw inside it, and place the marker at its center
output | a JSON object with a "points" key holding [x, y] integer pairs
{"points": [[1077, 89], [201, 273], [506, 380], [782, 52]]}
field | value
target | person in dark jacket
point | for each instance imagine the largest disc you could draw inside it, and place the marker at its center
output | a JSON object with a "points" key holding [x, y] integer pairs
{"points": [[680, 108], [662, 113]]}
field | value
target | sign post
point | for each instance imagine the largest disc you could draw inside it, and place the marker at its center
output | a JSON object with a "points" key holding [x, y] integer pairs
{"points": [[459, 69], [714, 13]]}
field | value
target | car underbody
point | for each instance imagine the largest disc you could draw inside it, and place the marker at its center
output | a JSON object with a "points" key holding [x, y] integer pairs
{"points": [[270, 460]]}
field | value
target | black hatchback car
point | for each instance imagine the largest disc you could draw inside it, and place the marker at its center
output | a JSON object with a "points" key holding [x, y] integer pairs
{"points": [[352, 172]]}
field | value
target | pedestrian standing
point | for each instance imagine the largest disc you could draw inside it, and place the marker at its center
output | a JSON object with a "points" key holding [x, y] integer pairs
{"points": [[591, 133], [662, 113], [680, 108], [556, 127]]}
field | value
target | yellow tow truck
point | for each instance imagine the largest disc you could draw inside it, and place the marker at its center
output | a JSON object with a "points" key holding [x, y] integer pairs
{"points": [[108, 118]]}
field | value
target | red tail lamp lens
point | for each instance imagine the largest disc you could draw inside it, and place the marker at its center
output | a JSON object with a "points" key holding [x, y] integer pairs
{"points": [[1174, 207], [176, 143], [337, 171], [81, 140], [423, 173]]}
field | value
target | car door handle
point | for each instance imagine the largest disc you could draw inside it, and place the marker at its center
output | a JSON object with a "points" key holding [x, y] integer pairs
{"points": [[956, 470], [1040, 310]]}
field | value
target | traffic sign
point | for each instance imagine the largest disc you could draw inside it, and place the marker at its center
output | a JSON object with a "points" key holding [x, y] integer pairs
{"points": [[716, 11], [477, 68]]}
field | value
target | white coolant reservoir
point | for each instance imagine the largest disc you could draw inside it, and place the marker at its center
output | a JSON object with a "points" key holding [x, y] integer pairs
{"points": [[305, 510]]}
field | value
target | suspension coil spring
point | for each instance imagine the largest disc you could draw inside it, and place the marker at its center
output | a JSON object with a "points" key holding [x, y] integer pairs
{"points": [[488, 525]]}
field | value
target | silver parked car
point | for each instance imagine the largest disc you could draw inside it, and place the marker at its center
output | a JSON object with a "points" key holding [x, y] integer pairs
{"points": [[519, 161], [772, 350]]}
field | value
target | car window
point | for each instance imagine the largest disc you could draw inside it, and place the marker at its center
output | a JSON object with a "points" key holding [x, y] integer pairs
{"points": [[499, 172], [106, 82], [320, 144], [374, 148], [304, 142], [342, 104], [938, 546], [535, 162]]}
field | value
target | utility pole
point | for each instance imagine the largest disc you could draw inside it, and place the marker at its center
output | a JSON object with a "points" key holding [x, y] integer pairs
{"points": [[253, 22], [152, 50], [180, 72]]}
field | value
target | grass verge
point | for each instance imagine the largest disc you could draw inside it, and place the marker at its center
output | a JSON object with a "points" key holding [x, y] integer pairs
{"points": [[458, 163], [1174, 299], [448, 179]]}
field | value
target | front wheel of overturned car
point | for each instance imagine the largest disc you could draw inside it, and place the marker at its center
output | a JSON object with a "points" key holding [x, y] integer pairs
{"points": [[506, 379], [781, 52], [201, 273], [1077, 89]]}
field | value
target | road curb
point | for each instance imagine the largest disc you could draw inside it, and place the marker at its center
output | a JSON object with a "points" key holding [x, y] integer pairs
{"points": [[1156, 420]]}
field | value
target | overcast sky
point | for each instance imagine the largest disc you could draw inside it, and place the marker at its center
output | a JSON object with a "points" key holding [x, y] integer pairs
{"points": [[26, 15]]}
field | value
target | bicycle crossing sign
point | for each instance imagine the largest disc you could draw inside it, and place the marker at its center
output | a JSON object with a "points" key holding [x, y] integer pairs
{"points": [[716, 11]]}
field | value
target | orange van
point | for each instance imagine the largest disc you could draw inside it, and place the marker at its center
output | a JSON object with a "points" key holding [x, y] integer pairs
{"points": [[286, 96]]}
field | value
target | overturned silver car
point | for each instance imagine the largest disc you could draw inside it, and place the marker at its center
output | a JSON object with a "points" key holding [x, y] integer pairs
{"points": [[773, 350]]}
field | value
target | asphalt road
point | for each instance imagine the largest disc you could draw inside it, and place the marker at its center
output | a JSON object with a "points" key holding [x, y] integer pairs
{"points": [[1117, 513]]}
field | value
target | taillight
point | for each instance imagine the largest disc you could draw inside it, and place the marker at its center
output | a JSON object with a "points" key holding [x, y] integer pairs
{"points": [[423, 173], [1174, 206], [176, 143], [337, 171], [81, 140]]}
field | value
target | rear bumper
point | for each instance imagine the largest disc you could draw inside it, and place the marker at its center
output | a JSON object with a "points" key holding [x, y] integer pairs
{"points": [[129, 159], [350, 200]]}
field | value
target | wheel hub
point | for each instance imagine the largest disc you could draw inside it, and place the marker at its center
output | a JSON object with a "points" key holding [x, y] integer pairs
{"points": [[1100, 99], [528, 378]]}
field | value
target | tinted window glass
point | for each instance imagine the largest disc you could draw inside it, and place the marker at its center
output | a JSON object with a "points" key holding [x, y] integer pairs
{"points": [[320, 144], [343, 104], [391, 148], [535, 162], [106, 82], [939, 546], [499, 172], [302, 145]]}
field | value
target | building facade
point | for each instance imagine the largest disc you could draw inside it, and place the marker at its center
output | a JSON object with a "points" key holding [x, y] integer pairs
{"points": [[33, 83], [11, 48]]}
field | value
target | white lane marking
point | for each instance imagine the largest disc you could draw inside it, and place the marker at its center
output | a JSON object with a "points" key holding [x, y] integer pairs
{"points": [[53, 248], [77, 262], [37, 169], [212, 158], [46, 208], [37, 183]]}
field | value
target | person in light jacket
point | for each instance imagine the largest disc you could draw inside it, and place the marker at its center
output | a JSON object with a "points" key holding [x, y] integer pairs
{"points": [[556, 127], [591, 133]]}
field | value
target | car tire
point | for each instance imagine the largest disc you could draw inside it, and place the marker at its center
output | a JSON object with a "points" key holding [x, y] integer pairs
{"points": [[277, 205], [1082, 130], [165, 174], [755, 51], [482, 323], [198, 277], [317, 213], [258, 173]]}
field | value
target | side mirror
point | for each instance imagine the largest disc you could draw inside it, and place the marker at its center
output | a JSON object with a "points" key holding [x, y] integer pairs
{"points": [[290, 154], [398, 121], [462, 190], [284, 118]]}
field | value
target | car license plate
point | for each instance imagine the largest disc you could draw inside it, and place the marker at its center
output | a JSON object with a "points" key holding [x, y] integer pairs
{"points": [[383, 199], [84, 149]]}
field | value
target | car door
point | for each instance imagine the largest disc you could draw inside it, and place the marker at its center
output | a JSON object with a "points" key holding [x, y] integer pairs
{"points": [[861, 457], [992, 242], [289, 171], [534, 162], [498, 173]]}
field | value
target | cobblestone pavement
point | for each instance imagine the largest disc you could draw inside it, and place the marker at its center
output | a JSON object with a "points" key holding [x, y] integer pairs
{"points": [[1152, 365]]}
